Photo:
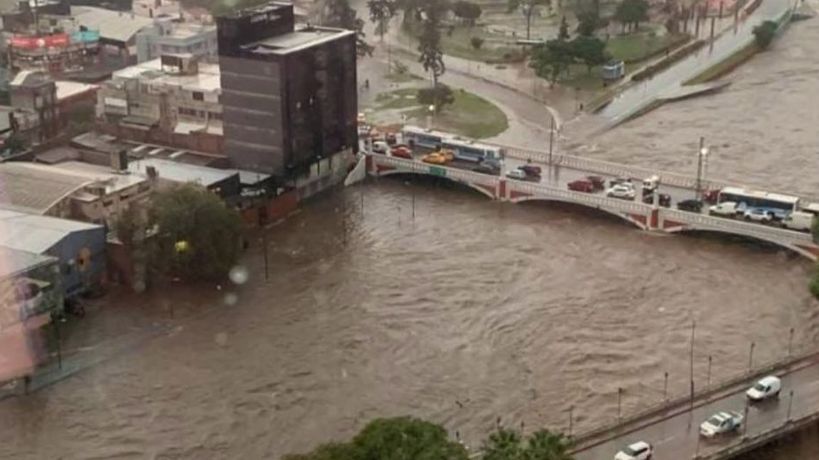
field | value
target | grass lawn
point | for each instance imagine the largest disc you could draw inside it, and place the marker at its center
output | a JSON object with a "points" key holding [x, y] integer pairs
{"points": [[402, 77], [641, 45], [470, 116], [398, 99]]}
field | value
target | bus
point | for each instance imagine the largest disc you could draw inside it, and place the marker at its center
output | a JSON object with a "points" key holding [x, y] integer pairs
{"points": [[780, 205], [462, 149]]}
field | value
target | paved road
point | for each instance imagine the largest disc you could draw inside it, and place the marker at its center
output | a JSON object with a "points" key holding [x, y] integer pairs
{"points": [[678, 437], [643, 94]]}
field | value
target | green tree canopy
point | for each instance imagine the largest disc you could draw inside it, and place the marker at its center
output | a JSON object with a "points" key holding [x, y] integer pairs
{"points": [[381, 11], [469, 12], [631, 12], [563, 32], [339, 13], [590, 50], [765, 33], [198, 235], [551, 59], [429, 41], [476, 42], [506, 444], [439, 96]]}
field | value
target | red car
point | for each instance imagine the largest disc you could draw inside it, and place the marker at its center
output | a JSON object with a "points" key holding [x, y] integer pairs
{"points": [[401, 151], [531, 170], [582, 185]]}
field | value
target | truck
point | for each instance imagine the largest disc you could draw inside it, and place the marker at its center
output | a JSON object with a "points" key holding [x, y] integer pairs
{"points": [[798, 220]]}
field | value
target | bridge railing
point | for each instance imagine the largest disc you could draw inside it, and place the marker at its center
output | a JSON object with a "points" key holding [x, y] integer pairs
{"points": [[588, 199], [705, 222], [458, 174]]}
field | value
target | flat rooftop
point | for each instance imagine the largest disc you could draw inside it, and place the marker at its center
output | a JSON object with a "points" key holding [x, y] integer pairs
{"points": [[300, 39], [206, 79], [181, 172], [14, 262]]}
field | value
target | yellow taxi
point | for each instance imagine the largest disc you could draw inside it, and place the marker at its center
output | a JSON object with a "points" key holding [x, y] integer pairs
{"points": [[436, 158]]}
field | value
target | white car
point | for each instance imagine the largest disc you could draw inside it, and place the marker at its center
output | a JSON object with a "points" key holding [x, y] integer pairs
{"points": [[726, 208], [721, 423], [640, 450], [758, 215], [516, 174], [622, 191], [766, 387]]}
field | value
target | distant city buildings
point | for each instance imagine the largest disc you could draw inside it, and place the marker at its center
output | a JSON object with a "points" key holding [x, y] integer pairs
{"points": [[156, 8], [174, 37]]}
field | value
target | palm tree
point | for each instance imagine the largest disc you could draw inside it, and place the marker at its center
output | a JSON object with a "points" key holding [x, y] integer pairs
{"points": [[544, 445], [503, 444]]}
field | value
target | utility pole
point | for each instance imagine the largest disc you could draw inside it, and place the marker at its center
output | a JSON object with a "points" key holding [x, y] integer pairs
{"points": [[790, 343], [551, 143], [665, 387], [619, 402], [571, 417], [700, 154], [691, 359], [790, 404], [708, 385], [751, 357]]}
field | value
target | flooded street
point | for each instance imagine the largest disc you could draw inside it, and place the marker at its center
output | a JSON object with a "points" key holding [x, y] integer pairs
{"points": [[469, 311]]}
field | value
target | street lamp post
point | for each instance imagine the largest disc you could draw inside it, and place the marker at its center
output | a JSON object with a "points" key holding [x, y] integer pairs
{"points": [[751, 357], [619, 402], [571, 418], [702, 155], [790, 343], [431, 109]]}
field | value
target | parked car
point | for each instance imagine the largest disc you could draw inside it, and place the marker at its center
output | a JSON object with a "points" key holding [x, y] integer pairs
{"points": [[598, 182], [663, 199], [401, 151], [758, 215], [798, 220], [620, 180], [448, 154], [435, 158], [726, 208], [651, 183], [623, 191], [516, 174], [721, 423], [766, 387], [690, 205], [531, 170], [639, 450], [581, 185], [488, 167], [380, 147]]}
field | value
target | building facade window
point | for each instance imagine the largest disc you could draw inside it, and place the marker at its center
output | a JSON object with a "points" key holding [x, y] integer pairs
{"points": [[198, 96]]}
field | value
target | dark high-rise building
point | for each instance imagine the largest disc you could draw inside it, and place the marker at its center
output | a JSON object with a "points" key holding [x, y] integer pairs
{"points": [[289, 94]]}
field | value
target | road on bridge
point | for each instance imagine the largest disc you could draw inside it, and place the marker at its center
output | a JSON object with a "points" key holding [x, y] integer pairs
{"points": [[677, 436]]}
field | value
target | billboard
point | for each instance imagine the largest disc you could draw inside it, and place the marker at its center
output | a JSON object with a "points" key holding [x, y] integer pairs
{"points": [[43, 41]]}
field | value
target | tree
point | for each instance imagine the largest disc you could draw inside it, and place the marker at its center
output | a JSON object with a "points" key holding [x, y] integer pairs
{"points": [[506, 444], [469, 12], [503, 445], [429, 42], [528, 9], [381, 11], [476, 42], [198, 235], [590, 50], [406, 438], [338, 13], [765, 33], [631, 12], [551, 59], [544, 445], [563, 32], [438, 96], [588, 23]]}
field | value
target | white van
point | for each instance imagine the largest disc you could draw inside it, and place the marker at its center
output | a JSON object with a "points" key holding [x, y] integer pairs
{"points": [[798, 220], [766, 387], [650, 183]]}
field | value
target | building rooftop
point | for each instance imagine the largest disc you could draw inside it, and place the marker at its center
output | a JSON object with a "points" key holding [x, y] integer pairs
{"points": [[113, 25], [36, 188], [181, 172], [113, 182], [206, 79], [67, 89], [298, 40], [36, 234], [14, 262], [30, 78]]}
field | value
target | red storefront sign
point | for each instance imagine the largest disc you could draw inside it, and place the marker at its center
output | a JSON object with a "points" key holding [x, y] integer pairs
{"points": [[44, 41]]}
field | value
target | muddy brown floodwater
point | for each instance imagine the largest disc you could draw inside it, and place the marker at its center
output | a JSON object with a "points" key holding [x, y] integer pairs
{"points": [[470, 311]]}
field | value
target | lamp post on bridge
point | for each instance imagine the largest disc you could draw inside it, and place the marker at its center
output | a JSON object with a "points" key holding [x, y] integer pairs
{"points": [[551, 144], [702, 158]]}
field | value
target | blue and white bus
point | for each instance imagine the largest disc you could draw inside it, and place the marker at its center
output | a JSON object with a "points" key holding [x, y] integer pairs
{"points": [[427, 138], [780, 205], [462, 149]]}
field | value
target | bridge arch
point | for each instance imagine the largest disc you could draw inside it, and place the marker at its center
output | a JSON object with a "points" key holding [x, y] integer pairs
{"points": [[604, 209], [756, 237], [488, 191]]}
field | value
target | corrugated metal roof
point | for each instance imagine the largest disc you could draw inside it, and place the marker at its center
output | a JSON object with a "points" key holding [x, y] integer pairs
{"points": [[35, 188], [113, 25], [182, 172], [36, 234], [14, 262]]}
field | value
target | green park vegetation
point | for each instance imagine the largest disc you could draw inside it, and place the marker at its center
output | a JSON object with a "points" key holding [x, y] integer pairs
{"points": [[765, 33], [459, 41], [403, 438]]}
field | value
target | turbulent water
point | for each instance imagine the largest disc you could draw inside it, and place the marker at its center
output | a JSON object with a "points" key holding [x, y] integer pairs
{"points": [[469, 311]]}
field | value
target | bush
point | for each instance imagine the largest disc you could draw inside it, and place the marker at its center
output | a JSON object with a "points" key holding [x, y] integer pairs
{"points": [[439, 96], [765, 33], [476, 42]]}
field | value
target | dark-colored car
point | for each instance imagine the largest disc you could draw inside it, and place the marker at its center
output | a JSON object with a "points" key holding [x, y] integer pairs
{"points": [[690, 205], [664, 199], [531, 170], [598, 182], [581, 185], [488, 168], [401, 151]]}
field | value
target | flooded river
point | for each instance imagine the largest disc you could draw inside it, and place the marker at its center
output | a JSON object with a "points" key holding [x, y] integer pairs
{"points": [[469, 311]]}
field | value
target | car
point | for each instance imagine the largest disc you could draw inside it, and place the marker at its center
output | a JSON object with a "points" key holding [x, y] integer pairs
{"points": [[448, 154], [489, 166], [435, 158], [619, 181], [710, 196], [663, 199], [597, 181], [581, 185], [758, 215], [622, 191], [639, 450], [380, 147], [798, 220], [651, 183], [726, 208], [531, 170], [721, 423], [516, 174], [401, 151], [690, 205], [766, 387]]}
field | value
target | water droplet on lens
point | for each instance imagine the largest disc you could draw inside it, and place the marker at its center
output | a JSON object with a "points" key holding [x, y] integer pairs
{"points": [[239, 274]]}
